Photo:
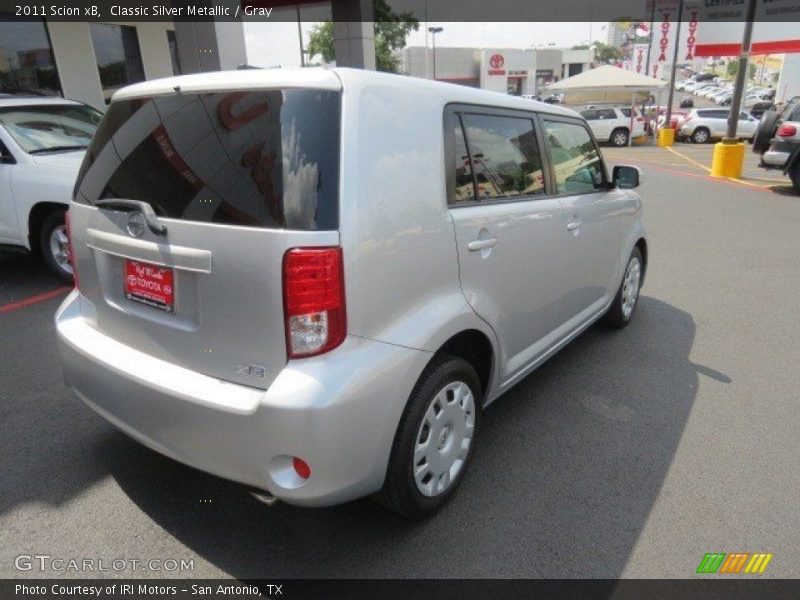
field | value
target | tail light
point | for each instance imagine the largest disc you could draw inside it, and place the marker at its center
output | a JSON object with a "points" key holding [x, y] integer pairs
{"points": [[70, 253], [787, 131], [313, 300]]}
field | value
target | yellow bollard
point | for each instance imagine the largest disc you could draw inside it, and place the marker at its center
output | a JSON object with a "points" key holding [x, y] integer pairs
{"points": [[666, 137], [728, 160]]}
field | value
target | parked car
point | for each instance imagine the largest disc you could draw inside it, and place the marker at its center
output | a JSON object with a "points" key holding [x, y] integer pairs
{"points": [[687, 102], [675, 119], [265, 293], [777, 140], [762, 95], [557, 98], [42, 142], [702, 125], [759, 108], [613, 124]]}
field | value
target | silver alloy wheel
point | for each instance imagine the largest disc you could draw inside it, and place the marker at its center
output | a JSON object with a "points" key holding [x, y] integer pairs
{"points": [[700, 136], [620, 138], [444, 438], [59, 248], [630, 286]]}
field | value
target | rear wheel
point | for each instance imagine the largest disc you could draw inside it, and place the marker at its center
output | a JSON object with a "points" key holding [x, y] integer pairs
{"points": [[619, 137], [54, 245], [621, 310], [701, 135], [434, 440]]}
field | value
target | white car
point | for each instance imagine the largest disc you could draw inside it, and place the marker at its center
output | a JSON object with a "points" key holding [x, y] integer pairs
{"points": [[613, 124], [702, 125], [42, 143]]}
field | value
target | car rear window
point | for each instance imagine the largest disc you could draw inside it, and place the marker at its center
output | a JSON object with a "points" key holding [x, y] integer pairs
{"points": [[267, 158]]}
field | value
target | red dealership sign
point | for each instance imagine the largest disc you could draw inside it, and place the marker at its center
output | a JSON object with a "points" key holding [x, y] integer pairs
{"points": [[497, 61]]}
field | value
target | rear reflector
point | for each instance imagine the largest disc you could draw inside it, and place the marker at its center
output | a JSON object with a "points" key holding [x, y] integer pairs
{"points": [[787, 131], [301, 467], [313, 300]]}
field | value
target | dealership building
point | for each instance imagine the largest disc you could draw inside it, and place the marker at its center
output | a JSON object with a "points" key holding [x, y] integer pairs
{"points": [[89, 61], [507, 70]]}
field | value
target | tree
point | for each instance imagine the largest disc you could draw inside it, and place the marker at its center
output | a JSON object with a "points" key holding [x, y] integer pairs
{"points": [[391, 30], [606, 53], [733, 68]]}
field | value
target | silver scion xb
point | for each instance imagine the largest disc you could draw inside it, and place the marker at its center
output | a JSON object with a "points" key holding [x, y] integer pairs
{"points": [[313, 281]]}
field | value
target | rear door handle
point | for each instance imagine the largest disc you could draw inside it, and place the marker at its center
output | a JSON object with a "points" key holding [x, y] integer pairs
{"points": [[574, 225], [476, 245]]}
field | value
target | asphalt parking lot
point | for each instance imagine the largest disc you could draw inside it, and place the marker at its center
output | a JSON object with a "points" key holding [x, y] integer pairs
{"points": [[629, 454]]}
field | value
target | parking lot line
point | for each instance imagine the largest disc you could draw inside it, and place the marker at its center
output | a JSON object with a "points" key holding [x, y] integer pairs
{"points": [[725, 180], [691, 160], [5, 308]]}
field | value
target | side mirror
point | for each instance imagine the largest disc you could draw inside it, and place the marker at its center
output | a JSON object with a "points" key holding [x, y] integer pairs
{"points": [[626, 177]]}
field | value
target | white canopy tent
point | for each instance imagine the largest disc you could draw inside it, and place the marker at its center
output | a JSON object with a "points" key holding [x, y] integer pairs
{"points": [[610, 83], [607, 79]]}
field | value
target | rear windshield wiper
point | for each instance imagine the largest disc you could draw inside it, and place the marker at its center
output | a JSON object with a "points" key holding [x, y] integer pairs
{"points": [[57, 149], [147, 211]]}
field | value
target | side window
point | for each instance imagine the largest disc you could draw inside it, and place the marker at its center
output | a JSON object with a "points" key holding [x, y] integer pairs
{"points": [[465, 187], [505, 156], [589, 115], [626, 112], [576, 160], [607, 113]]}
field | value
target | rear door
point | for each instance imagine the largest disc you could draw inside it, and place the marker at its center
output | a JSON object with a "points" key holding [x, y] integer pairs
{"points": [[509, 232], [594, 229], [236, 178]]}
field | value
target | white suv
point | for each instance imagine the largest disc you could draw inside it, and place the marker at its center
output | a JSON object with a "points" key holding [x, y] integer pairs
{"points": [[614, 125], [702, 125], [42, 143]]}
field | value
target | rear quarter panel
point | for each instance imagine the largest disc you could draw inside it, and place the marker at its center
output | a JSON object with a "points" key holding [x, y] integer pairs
{"points": [[401, 265]]}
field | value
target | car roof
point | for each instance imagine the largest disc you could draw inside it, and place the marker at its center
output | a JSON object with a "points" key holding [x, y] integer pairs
{"points": [[15, 100], [334, 79]]}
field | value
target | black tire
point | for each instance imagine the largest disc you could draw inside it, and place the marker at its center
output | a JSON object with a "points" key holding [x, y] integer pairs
{"points": [[400, 492], [52, 222], [701, 135], [619, 137], [765, 131], [794, 175], [616, 317]]}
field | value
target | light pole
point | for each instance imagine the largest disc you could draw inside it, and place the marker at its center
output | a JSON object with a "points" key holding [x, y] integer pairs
{"points": [[300, 37], [728, 155], [433, 31]]}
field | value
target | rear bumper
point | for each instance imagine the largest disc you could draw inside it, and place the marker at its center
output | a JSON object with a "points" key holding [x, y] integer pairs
{"points": [[775, 159], [338, 412]]}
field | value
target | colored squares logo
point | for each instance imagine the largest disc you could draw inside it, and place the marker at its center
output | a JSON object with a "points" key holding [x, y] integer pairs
{"points": [[734, 563]]}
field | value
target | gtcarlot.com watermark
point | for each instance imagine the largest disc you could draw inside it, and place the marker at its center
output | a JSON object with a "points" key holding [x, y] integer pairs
{"points": [[46, 563]]}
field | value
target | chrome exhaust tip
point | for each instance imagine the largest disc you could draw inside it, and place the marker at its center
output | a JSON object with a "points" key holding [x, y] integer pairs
{"points": [[264, 497]]}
